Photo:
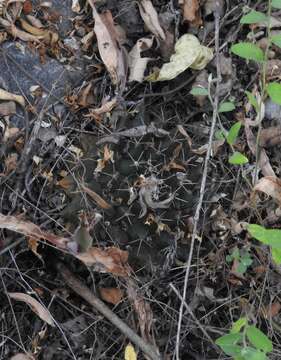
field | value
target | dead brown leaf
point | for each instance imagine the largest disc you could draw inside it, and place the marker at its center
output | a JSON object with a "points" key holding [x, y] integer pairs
{"points": [[96, 197], [271, 310], [191, 11], [83, 98], [107, 156], [111, 295], [35, 306], [109, 48], [270, 137], [33, 246], [11, 163], [109, 260], [150, 18], [104, 108], [264, 162], [27, 228], [271, 186]]}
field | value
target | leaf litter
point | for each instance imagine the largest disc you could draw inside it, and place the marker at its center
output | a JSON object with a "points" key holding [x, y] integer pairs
{"points": [[109, 183]]}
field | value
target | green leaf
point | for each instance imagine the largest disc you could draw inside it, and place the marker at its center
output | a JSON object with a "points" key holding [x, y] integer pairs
{"points": [[238, 159], [253, 17], [253, 101], [248, 51], [276, 40], [226, 107], [258, 339], [276, 255], [219, 135], [276, 4], [228, 343], [233, 133], [241, 268], [238, 325], [249, 353], [274, 91], [266, 236], [228, 258], [199, 91]]}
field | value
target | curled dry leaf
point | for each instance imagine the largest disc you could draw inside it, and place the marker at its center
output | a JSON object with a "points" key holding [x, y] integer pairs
{"points": [[96, 197], [191, 11], [35, 306], [271, 186], [111, 295], [27, 228], [189, 53], [137, 64], [107, 156], [270, 137], [105, 108], [109, 260], [264, 163], [150, 18], [6, 95], [109, 49]]}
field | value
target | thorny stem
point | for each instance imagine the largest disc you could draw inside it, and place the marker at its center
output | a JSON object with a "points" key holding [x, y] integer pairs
{"points": [[263, 89], [203, 181]]}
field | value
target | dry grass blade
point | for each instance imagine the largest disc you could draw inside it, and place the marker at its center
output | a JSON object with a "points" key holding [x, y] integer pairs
{"points": [[36, 307], [29, 229]]}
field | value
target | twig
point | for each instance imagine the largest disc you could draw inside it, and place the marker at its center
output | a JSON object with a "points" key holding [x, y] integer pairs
{"points": [[195, 318], [203, 181], [87, 295]]}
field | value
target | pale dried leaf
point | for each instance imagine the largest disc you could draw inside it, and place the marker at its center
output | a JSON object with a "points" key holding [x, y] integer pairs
{"points": [[109, 260], [271, 186], [189, 53], [75, 7], [27, 228], [96, 197], [7, 108], [137, 64], [22, 356], [34, 21], [270, 137], [104, 108], [6, 95], [272, 310], [150, 18], [35, 306], [11, 162], [111, 295]]}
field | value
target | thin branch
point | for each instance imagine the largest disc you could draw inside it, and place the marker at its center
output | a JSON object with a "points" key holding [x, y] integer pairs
{"points": [[203, 181], [80, 289]]}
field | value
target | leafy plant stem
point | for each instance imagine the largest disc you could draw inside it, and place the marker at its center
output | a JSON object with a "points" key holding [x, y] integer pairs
{"points": [[263, 89]]}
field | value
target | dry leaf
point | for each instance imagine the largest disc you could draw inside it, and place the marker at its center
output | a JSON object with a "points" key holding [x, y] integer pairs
{"points": [[130, 353], [105, 108], [66, 183], [150, 18], [11, 163], [35, 306], [264, 163], [96, 197], [111, 295], [5, 95], [191, 11], [75, 7], [22, 356], [271, 310], [7, 108], [27, 228], [270, 137], [109, 260], [271, 186], [109, 49], [107, 156], [33, 246], [84, 95], [137, 64], [189, 53]]}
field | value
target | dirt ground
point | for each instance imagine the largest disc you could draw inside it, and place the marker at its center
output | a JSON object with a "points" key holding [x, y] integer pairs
{"points": [[122, 217]]}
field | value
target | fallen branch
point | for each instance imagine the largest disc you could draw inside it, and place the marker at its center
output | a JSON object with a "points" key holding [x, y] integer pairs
{"points": [[87, 295]]}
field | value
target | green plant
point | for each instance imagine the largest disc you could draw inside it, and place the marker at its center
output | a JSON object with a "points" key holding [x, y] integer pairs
{"points": [[242, 257], [245, 342], [271, 237]]}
